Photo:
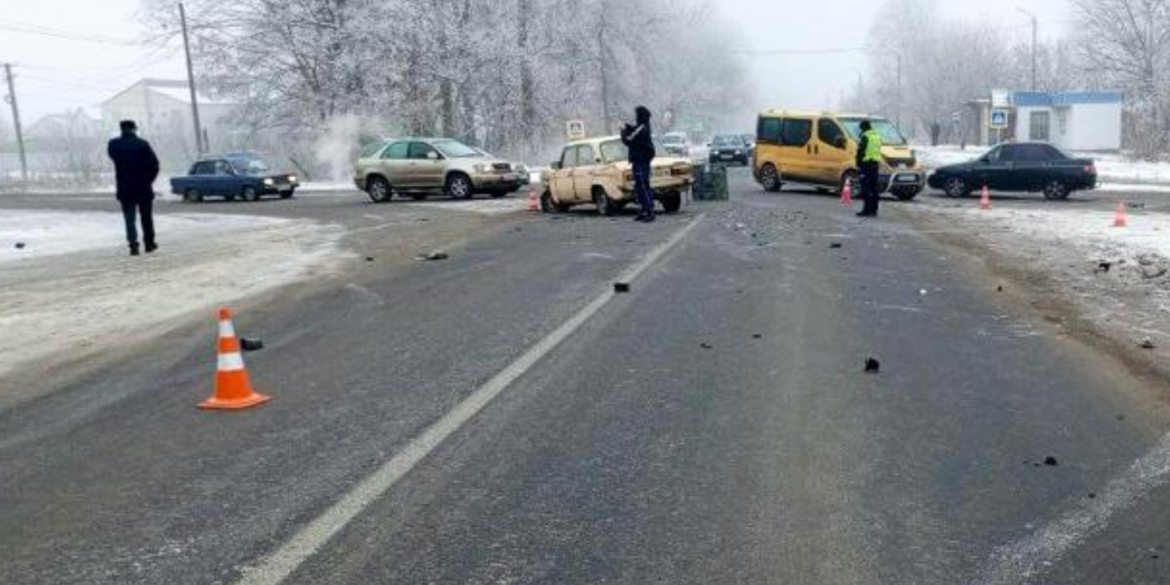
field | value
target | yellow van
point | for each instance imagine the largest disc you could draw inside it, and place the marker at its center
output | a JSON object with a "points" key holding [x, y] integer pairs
{"points": [[819, 149]]}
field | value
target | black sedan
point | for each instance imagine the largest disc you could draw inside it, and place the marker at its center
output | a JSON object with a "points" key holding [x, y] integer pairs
{"points": [[727, 148], [1021, 166]]}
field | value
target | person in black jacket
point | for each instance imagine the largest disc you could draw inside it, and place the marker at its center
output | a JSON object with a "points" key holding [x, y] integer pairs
{"points": [[135, 169], [640, 143]]}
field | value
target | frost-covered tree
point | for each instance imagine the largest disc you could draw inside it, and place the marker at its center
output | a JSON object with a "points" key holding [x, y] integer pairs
{"points": [[1126, 44], [504, 74]]}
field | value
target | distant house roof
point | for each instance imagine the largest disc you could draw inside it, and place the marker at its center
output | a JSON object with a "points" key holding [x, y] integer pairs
{"points": [[171, 88], [78, 120], [1034, 99]]}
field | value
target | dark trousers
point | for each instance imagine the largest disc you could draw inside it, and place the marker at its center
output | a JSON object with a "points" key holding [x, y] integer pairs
{"points": [[871, 187], [642, 187], [144, 208]]}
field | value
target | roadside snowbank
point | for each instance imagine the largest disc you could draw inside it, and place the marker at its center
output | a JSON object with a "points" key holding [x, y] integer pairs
{"points": [[48, 233], [73, 291], [1113, 283]]}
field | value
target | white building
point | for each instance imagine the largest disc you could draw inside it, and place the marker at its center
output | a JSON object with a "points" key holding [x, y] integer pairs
{"points": [[1081, 120], [162, 110]]}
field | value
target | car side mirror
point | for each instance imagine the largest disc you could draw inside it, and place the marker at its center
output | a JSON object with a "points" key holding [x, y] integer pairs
{"points": [[556, 166]]}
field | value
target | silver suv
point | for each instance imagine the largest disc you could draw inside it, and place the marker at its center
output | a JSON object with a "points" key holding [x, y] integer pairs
{"points": [[419, 167]]}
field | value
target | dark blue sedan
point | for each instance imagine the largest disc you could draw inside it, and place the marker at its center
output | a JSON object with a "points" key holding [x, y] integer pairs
{"points": [[231, 176], [1036, 167]]}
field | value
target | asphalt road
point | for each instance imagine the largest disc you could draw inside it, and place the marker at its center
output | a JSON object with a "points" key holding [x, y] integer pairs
{"points": [[713, 425]]}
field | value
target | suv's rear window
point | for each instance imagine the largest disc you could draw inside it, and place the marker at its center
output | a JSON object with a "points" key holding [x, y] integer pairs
{"points": [[372, 149]]}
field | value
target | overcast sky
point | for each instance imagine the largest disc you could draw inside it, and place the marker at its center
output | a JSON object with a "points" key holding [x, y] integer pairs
{"points": [[71, 53]]}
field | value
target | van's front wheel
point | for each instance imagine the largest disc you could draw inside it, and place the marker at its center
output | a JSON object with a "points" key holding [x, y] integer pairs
{"points": [[770, 178]]}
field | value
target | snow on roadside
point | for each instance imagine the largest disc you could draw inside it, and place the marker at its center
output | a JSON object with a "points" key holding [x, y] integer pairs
{"points": [[504, 205], [48, 233], [70, 296], [1118, 279]]}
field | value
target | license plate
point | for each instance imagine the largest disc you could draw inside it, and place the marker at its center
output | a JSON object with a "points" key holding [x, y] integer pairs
{"points": [[907, 179], [726, 156]]}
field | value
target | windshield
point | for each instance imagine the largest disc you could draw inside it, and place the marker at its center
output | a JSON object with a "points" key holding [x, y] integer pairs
{"points": [[727, 141], [456, 149], [614, 151], [889, 132], [674, 139], [248, 165]]}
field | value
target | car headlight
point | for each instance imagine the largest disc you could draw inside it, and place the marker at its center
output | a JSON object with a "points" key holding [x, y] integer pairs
{"points": [[738, 152], [292, 178], [480, 168], [269, 182]]}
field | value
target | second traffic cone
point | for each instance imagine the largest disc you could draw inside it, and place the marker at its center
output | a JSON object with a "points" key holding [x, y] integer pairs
{"points": [[985, 198], [1119, 219], [233, 389], [533, 204], [847, 192]]}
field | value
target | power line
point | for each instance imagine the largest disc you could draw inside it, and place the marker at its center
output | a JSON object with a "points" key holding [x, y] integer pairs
{"points": [[33, 29]]}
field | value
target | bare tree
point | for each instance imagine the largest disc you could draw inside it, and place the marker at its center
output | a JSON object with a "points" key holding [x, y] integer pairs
{"points": [[1126, 44], [503, 75]]}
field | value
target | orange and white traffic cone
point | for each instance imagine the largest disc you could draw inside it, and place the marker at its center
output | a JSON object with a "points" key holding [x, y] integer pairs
{"points": [[233, 389], [1119, 219], [985, 198], [847, 192], [533, 204]]}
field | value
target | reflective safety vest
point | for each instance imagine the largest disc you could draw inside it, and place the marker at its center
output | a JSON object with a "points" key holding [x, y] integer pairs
{"points": [[873, 146]]}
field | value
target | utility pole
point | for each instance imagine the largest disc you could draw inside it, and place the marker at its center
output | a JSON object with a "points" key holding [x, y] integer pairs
{"points": [[898, 95], [16, 122], [1035, 34], [199, 144]]}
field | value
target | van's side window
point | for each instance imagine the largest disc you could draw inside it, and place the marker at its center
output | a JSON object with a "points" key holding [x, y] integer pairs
{"points": [[829, 132], [796, 132], [768, 130]]}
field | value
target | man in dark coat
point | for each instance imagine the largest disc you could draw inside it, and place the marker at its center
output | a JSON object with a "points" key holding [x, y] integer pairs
{"points": [[136, 168], [640, 143]]}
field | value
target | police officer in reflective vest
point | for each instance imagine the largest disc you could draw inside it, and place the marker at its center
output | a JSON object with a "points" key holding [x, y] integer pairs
{"points": [[869, 158]]}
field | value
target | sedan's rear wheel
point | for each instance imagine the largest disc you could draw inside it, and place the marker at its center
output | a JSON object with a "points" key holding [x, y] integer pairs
{"points": [[1055, 190], [378, 189], [956, 188], [605, 206]]}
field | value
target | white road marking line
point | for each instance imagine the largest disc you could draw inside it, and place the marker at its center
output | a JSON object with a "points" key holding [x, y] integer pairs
{"points": [[281, 563], [1019, 562]]}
